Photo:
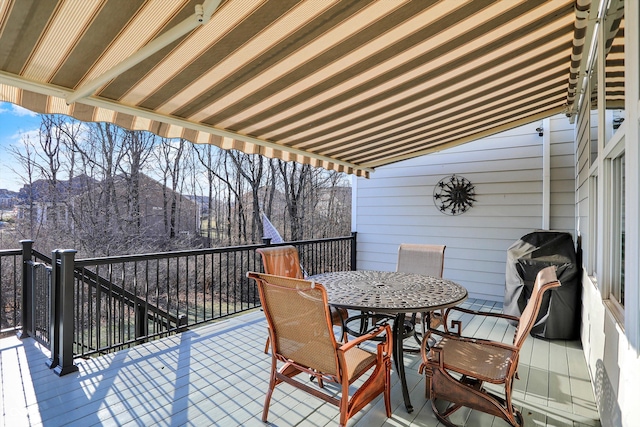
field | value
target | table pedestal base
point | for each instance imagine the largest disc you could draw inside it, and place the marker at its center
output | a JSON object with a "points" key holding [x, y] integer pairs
{"points": [[398, 357]]}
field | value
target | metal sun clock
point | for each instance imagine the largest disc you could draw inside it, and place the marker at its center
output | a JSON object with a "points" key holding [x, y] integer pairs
{"points": [[454, 195]]}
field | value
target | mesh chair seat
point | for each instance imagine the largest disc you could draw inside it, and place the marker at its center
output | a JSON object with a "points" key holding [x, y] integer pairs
{"points": [[480, 360], [358, 362]]}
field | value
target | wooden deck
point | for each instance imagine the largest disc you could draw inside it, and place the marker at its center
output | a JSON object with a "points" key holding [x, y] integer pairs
{"points": [[217, 375]]}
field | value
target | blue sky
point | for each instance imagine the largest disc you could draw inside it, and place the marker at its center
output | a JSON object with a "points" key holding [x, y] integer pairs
{"points": [[15, 121]]}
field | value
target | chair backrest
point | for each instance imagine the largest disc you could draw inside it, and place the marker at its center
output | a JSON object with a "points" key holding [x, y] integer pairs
{"points": [[281, 261], [545, 280], [299, 321], [421, 259]]}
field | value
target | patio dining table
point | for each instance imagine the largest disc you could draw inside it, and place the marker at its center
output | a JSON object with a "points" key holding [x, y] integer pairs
{"points": [[395, 294]]}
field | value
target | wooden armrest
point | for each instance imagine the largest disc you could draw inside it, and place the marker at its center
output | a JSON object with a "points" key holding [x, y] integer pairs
{"points": [[456, 325], [481, 341], [454, 336], [359, 340], [482, 313]]}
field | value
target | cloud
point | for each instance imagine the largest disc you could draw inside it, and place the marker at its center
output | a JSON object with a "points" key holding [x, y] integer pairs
{"points": [[15, 110], [21, 112]]}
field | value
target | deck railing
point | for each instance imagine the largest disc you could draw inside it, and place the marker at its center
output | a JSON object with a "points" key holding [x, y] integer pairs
{"points": [[11, 291], [83, 307]]}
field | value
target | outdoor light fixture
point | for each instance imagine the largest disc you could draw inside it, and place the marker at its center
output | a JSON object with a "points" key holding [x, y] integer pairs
{"points": [[617, 122], [539, 130]]}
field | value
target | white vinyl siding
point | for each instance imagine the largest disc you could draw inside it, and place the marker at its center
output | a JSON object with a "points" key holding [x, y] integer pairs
{"points": [[396, 204]]}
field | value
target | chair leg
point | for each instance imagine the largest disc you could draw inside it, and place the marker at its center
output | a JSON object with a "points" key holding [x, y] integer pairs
{"points": [[344, 404], [443, 417], [514, 417], [469, 392], [268, 342], [427, 386], [387, 388], [272, 385], [319, 379]]}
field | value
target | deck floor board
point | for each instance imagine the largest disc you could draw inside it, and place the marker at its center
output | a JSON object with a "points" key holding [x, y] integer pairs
{"points": [[218, 374]]}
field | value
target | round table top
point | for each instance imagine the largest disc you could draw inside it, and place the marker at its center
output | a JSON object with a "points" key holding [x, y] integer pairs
{"points": [[389, 291]]}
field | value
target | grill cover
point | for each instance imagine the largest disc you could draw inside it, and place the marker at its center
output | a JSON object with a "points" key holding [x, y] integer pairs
{"points": [[559, 316]]}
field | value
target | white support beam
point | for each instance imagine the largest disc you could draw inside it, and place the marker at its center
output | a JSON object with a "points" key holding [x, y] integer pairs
{"points": [[546, 174], [354, 203], [201, 16], [13, 80]]}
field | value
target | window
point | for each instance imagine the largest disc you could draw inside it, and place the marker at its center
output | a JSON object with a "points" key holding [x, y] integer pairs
{"points": [[613, 234], [616, 294], [592, 259]]}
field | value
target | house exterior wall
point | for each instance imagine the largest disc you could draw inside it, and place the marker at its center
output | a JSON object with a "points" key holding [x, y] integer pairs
{"points": [[612, 345], [396, 204]]}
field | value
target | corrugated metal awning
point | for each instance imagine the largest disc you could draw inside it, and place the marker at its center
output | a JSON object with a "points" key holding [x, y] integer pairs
{"points": [[345, 85]]}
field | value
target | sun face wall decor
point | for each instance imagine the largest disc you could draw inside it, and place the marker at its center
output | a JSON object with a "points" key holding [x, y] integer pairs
{"points": [[454, 195]]}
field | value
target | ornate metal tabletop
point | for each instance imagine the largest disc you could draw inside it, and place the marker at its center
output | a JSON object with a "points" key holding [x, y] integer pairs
{"points": [[389, 291]]}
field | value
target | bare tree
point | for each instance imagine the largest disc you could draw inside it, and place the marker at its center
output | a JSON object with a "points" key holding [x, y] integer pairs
{"points": [[25, 161], [331, 205], [111, 212], [232, 190], [44, 163], [136, 149], [270, 188], [170, 156], [49, 149], [94, 154], [234, 199], [296, 178], [194, 186], [251, 168], [206, 158]]}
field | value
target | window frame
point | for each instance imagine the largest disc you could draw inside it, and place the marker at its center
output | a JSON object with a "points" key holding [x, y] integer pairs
{"points": [[613, 206], [605, 216]]}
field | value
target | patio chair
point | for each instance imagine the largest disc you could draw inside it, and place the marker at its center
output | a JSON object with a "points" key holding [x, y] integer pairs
{"points": [[281, 261], [302, 341], [417, 259], [285, 261], [457, 366], [422, 259]]}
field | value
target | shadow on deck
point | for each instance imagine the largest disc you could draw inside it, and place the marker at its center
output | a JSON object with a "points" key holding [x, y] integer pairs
{"points": [[218, 375]]}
